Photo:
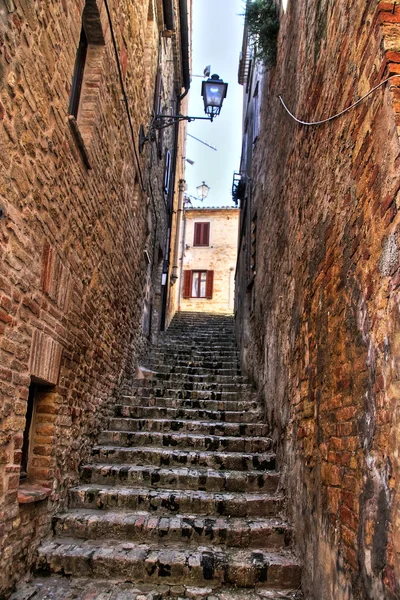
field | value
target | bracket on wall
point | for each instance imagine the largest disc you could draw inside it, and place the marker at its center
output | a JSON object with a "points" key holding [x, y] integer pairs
{"points": [[162, 122]]}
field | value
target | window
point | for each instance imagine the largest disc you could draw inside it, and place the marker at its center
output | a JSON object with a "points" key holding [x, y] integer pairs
{"points": [[158, 110], [87, 78], [198, 284], [78, 75], [37, 446], [253, 246], [256, 114], [199, 280], [167, 173], [201, 234], [27, 433]]}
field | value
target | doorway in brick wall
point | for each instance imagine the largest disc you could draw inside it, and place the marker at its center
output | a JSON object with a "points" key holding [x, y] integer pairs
{"points": [[38, 434]]}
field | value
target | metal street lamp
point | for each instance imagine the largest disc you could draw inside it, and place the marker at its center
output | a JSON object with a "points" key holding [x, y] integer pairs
{"points": [[202, 191], [213, 92]]}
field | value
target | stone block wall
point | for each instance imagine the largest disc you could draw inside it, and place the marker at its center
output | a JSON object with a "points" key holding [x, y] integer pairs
{"points": [[83, 223], [323, 330]]}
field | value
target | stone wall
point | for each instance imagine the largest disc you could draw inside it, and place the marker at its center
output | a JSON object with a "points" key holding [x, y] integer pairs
{"points": [[219, 256], [83, 231], [323, 333]]}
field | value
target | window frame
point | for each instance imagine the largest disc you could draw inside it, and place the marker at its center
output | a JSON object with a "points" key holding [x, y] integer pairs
{"points": [[201, 234], [197, 275], [79, 71]]}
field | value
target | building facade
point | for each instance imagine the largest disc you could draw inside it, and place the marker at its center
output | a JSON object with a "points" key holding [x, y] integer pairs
{"points": [[85, 233], [209, 252], [317, 285]]}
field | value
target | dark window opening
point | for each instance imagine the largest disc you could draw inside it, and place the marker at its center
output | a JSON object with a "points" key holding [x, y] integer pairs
{"points": [[78, 74], [201, 234], [27, 432], [167, 172]]}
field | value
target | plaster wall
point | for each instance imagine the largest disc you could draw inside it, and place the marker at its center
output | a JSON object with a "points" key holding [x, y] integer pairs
{"points": [[219, 256]]}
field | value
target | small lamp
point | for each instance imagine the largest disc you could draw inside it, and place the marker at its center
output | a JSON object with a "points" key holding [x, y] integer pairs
{"points": [[202, 191]]}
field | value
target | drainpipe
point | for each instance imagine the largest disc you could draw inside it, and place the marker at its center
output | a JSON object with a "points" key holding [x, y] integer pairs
{"points": [[184, 25], [182, 186]]}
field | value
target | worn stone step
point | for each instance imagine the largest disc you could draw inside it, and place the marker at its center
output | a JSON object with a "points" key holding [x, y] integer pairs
{"points": [[203, 403], [186, 441], [175, 501], [214, 361], [185, 350], [171, 457], [151, 564], [196, 478], [172, 344], [144, 527], [66, 588], [207, 393], [163, 367], [172, 356], [199, 337], [199, 342], [205, 427], [194, 352], [182, 368], [177, 383], [156, 377], [191, 414]]}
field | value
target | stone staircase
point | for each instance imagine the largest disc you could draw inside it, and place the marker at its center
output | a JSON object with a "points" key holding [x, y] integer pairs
{"points": [[181, 498]]}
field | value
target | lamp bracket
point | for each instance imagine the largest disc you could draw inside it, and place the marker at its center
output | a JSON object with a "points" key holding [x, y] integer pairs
{"points": [[162, 122]]}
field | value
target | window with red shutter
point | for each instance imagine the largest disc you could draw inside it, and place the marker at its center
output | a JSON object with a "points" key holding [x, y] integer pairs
{"points": [[201, 234], [198, 284]]}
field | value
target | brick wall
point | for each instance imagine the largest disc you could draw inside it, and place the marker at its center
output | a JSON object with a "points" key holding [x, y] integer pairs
{"points": [[322, 341], [74, 274]]}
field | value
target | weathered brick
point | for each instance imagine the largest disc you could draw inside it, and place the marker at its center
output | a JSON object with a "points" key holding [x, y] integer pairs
{"points": [[324, 317], [72, 241]]}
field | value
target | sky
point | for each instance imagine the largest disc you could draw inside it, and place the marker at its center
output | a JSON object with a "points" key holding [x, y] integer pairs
{"points": [[217, 41]]}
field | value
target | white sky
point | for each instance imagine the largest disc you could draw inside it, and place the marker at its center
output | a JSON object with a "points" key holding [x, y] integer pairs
{"points": [[217, 41]]}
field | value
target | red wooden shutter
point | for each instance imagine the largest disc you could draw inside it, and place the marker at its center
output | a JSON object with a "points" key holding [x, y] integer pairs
{"points": [[197, 234], [201, 234], [206, 234], [187, 284], [209, 284]]}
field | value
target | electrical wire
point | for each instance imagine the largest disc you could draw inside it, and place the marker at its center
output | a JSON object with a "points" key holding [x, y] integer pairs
{"points": [[202, 142], [126, 101], [341, 112]]}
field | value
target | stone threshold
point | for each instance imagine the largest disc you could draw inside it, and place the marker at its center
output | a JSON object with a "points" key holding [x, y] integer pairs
{"points": [[29, 493]]}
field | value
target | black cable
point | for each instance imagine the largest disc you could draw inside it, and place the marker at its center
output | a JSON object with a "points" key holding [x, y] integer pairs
{"points": [[121, 79]]}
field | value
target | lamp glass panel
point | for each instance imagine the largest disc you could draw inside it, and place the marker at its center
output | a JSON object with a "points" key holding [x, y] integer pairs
{"points": [[214, 93]]}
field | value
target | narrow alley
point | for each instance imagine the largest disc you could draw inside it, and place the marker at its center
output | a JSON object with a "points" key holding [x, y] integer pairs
{"points": [[181, 497], [199, 299]]}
